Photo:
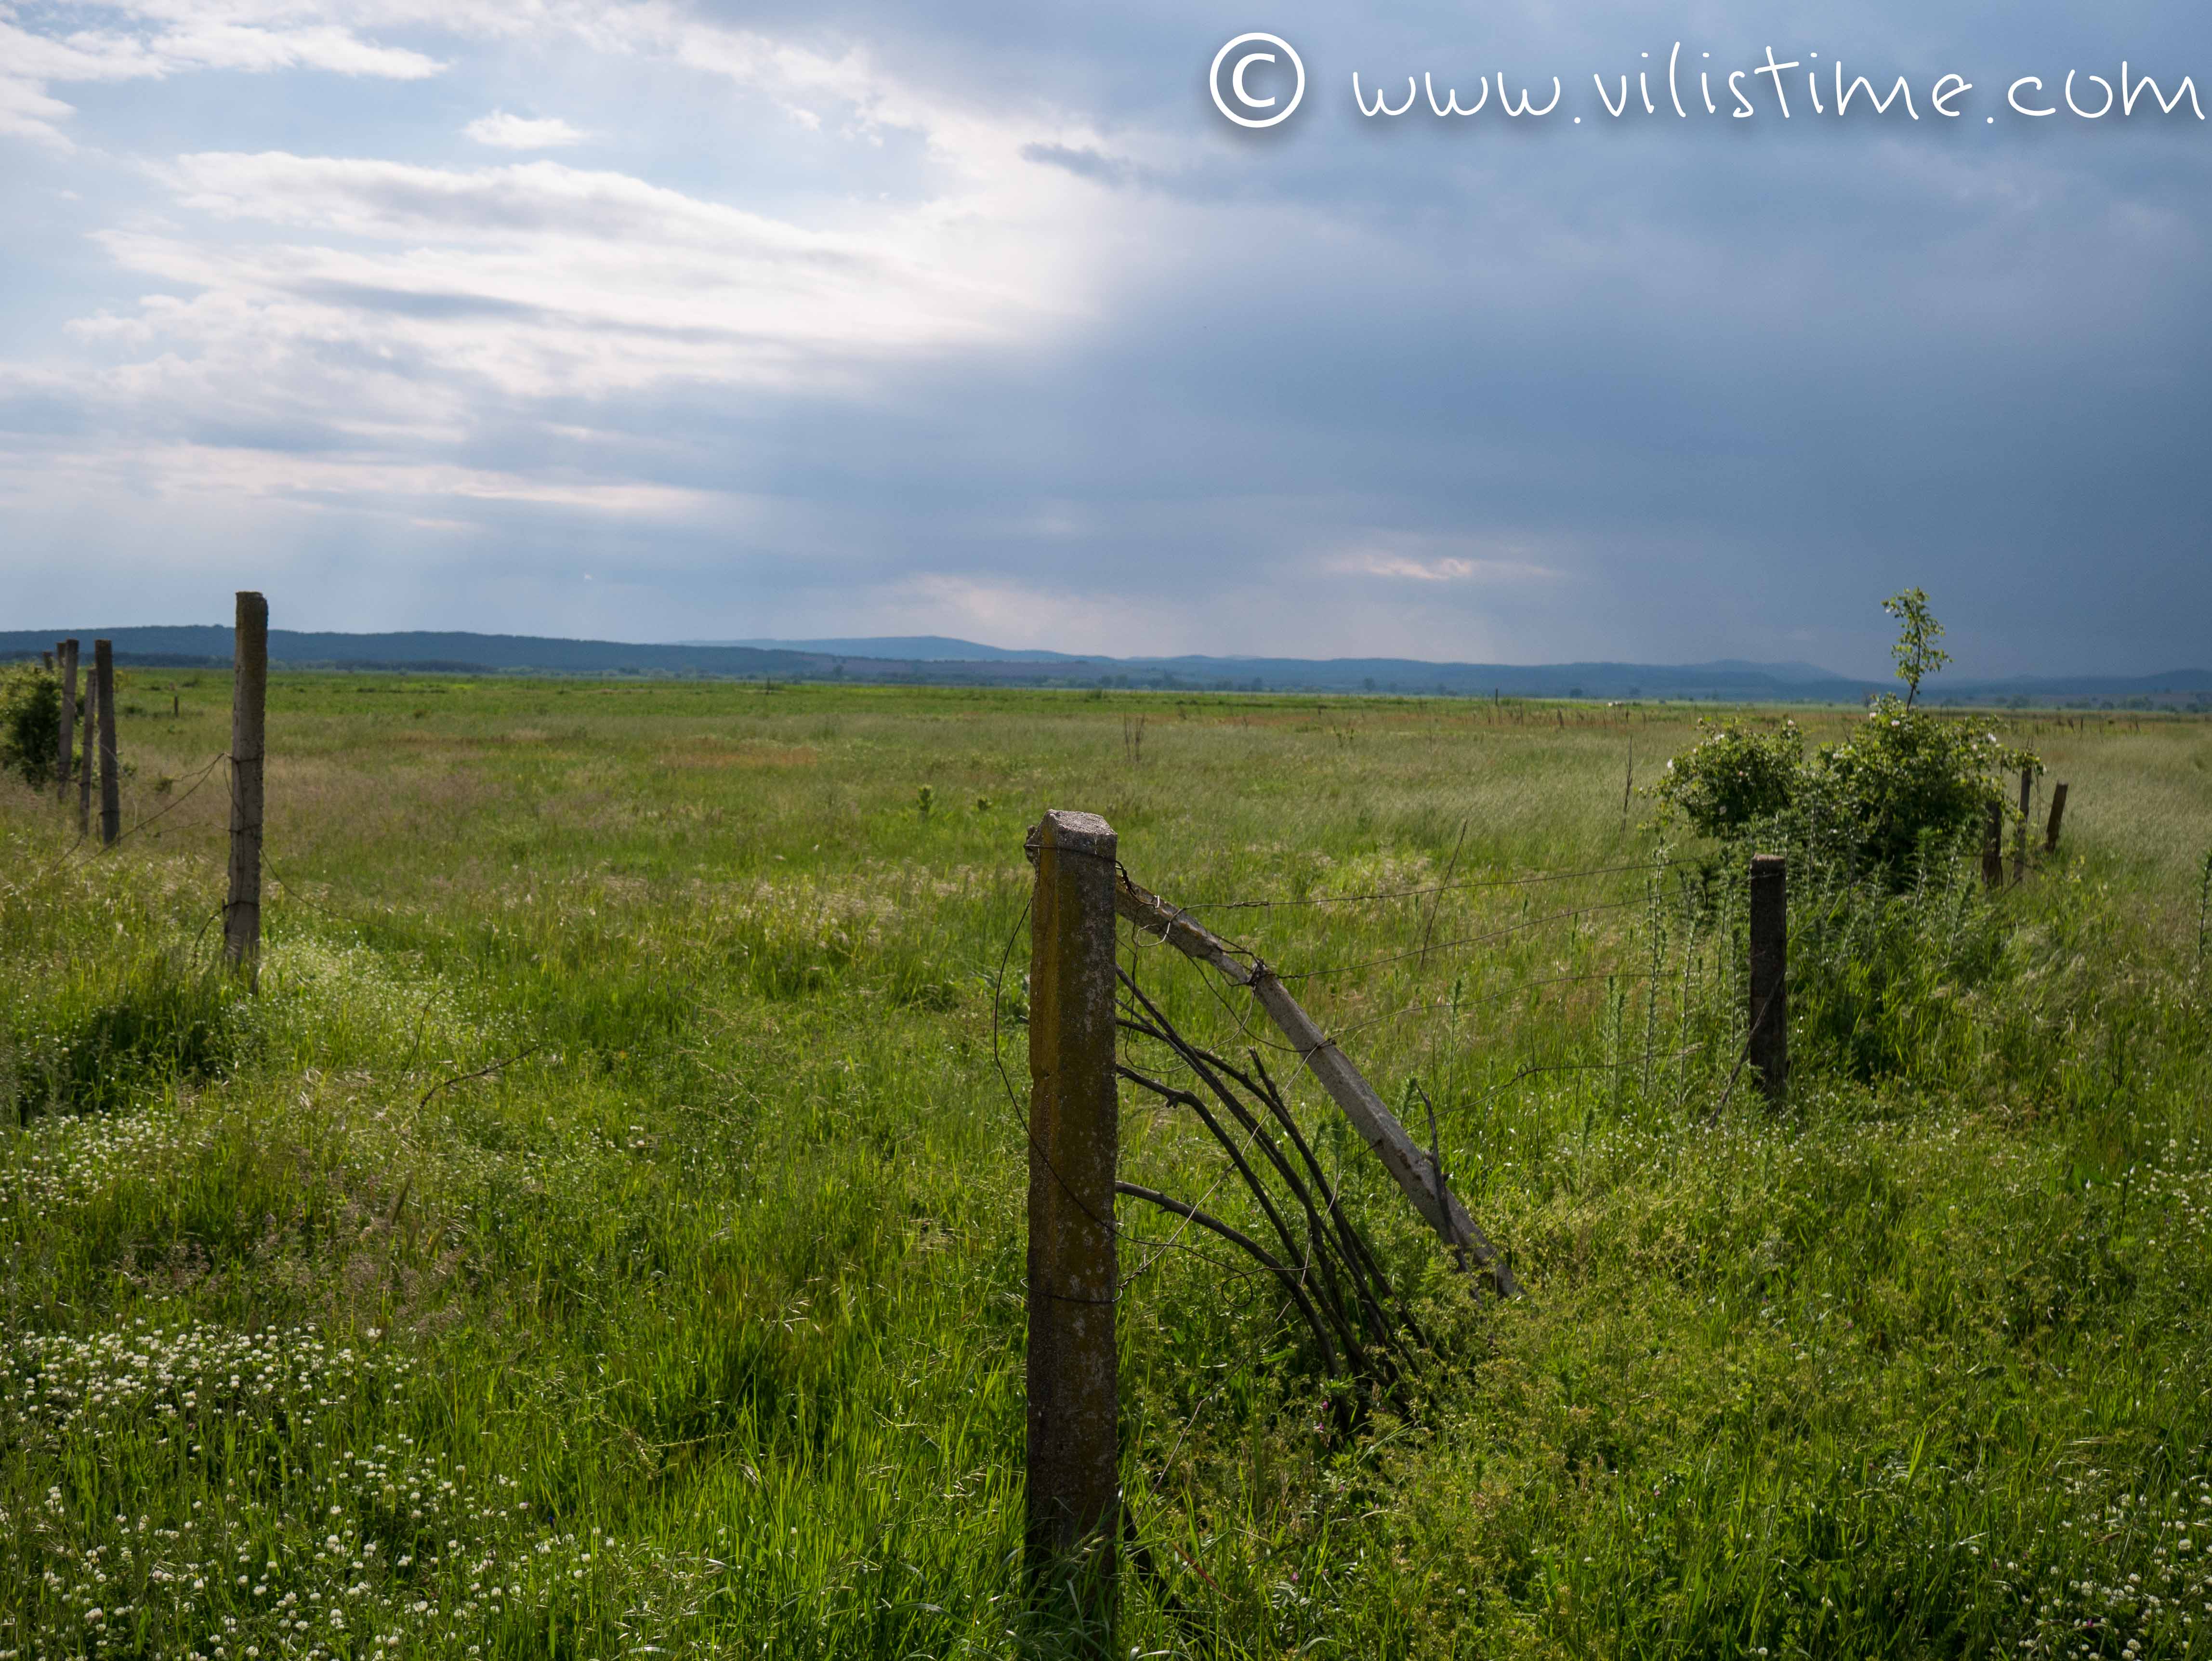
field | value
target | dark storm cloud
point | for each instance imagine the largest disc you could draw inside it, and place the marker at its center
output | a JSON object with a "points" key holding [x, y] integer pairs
{"points": [[1736, 381]]}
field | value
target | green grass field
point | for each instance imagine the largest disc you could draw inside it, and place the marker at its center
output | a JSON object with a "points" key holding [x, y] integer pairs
{"points": [[603, 1234]]}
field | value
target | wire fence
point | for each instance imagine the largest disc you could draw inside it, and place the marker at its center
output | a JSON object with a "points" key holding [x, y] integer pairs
{"points": [[1488, 1018], [1469, 1001], [1467, 995]]}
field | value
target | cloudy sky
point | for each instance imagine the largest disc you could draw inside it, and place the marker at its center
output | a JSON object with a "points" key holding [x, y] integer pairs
{"points": [[666, 320]]}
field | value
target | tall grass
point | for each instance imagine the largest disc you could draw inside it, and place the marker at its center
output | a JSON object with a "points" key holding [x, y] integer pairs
{"points": [[604, 1233]]}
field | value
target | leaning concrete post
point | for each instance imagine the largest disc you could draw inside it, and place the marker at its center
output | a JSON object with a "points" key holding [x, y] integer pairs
{"points": [[67, 676], [2057, 814], [1074, 1465], [1769, 1045], [249, 694], [111, 799]]}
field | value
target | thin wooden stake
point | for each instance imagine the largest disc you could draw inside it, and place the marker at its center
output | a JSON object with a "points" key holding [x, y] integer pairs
{"points": [[2058, 814], [1993, 847], [241, 917], [111, 799], [2020, 831], [64, 767], [1769, 1045], [1074, 1462]]}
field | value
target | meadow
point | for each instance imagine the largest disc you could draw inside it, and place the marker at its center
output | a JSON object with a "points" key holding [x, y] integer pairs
{"points": [[602, 1234]]}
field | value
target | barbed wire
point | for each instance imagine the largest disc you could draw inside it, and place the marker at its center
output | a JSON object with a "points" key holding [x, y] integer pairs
{"points": [[1492, 998], [1213, 1188], [1383, 895], [1329, 971], [1113, 1225], [97, 848]]}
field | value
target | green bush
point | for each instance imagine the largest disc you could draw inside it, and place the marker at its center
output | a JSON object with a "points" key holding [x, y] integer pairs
{"points": [[30, 723], [1733, 777], [1874, 803], [1909, 777], [1907, 784]]}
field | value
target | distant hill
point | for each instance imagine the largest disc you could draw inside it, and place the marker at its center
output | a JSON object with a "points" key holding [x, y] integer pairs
{"points": [[934, 660], [913, 648]]}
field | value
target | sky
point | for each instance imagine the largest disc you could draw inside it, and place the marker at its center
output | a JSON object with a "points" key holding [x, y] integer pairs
{"points": [[659, 320]]}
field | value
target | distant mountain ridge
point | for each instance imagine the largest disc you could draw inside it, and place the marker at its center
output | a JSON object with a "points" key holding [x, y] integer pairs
{"points": [[936, 660], [912, 649]]}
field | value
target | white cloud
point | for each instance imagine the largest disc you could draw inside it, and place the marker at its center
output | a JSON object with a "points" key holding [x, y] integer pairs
{"points": [[519, 132], [1002, 612], [231, 474], [1390, 561], [32, 64], [331, 329], [543, 279]]}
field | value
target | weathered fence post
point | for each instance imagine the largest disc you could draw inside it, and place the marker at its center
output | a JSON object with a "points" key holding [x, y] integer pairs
{"points": [[1074, 1463], [1769, 1041], [88, 719], [1993, 847], [249, 694], [111, 800], [2019, 831], [68, 722], [2058, 814]]}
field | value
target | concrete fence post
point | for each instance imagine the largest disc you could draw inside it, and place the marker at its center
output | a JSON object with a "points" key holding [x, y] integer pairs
{"points": [[87, 749], [1073, 1463], [249, 695], [111, 786], [1769, 1045], [66, 674]]}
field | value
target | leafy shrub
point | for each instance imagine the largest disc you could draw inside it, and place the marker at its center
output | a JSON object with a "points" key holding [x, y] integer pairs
{"points": [[1734, 777], [1906, 784], [1909, 777], [30, 723], [1877, 801]]}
